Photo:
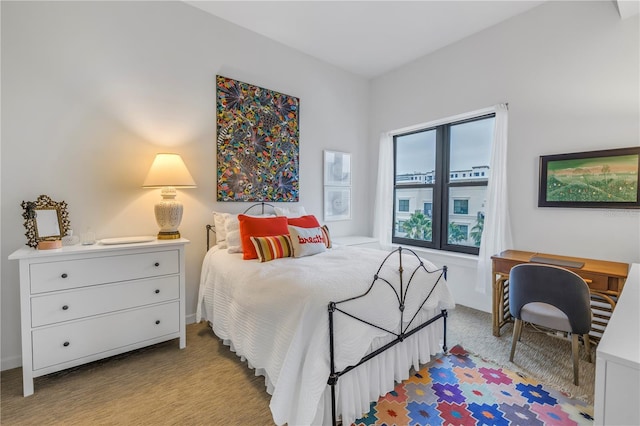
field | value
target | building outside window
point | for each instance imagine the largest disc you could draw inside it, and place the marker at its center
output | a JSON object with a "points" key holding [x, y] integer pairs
{"points": [[447, 168]]}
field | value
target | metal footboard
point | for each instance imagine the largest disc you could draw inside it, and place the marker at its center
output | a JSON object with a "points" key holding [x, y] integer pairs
{"points": [[405, 331]]}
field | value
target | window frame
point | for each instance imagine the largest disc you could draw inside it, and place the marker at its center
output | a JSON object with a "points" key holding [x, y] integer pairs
{"points": [[440, 189]]}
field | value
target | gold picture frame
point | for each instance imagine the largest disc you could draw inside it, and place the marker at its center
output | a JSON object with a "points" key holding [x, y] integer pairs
{"points": [[45, 219]]}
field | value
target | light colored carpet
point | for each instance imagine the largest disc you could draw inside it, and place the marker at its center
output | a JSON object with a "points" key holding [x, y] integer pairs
{"points": [[207, 384], [203, 384], [546, 358]]}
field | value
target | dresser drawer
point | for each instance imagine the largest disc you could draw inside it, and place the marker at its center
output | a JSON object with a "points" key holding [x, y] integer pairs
{"points": [[73, 304], [52, 276], [71, 341]]}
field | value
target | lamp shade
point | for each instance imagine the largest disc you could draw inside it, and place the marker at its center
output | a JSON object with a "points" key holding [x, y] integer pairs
{"points": [[168, 170]]}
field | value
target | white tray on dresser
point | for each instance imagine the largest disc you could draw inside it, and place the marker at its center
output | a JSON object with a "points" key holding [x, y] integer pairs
{"points": [[83, 303]]}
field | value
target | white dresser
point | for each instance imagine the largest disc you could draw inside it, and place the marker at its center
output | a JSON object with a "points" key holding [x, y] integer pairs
{"points": [[617, 389], [83, 303]]}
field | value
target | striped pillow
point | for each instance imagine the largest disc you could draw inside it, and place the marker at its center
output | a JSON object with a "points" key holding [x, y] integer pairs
{"points": [[326, 236], [269, 248]]}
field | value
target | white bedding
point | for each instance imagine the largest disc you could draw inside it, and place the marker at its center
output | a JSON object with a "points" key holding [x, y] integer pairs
{"points": [[274, 315]]}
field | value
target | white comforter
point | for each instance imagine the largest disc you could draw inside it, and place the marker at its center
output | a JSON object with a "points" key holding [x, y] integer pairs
{"points": [[274, 315]]}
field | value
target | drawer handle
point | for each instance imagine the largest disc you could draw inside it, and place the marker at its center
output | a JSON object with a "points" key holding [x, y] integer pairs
{"points": [[65, 344], [157, 322], [156, 264], [157, 291], [65, 307], [64, 275]]}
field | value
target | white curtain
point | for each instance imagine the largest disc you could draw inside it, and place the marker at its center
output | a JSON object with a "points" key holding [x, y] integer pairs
{"points": [[383, 212], [496, 235]]}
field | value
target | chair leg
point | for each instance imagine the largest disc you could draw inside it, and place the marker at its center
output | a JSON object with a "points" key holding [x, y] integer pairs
{"points": [[587, 346], [517, 330], [574, 352]]}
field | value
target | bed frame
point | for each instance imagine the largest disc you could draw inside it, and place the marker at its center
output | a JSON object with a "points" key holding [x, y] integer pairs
{"points": [[404, 333]]}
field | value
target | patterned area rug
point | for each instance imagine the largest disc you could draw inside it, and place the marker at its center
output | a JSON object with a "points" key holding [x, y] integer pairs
{"points": [[462, 389]]}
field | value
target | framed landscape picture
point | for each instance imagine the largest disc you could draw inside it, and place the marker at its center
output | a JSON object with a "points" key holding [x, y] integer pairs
{"points": [[600, 179]]}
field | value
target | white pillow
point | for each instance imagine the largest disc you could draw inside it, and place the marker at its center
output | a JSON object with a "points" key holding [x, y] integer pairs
{"points": [[232, 230], [234, 242], [221, 233], [294, 211], [306, 241]]}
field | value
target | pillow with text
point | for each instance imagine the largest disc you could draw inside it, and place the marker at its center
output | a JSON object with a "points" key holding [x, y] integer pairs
{"points": [[307, 241]]}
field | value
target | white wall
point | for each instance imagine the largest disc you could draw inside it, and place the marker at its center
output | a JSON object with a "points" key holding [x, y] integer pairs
{"points": [[570, 73], [92, 90]]}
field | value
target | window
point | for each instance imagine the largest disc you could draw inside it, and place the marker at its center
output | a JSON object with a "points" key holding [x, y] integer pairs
{"points": [[427, 209], [455, 159], [460, 206]]}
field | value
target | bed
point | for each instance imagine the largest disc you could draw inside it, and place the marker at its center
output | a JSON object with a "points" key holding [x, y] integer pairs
{"points": [[276, 316]]}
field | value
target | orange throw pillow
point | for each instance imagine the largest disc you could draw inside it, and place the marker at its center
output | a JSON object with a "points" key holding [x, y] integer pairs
{"points": [[259, 227], [308, 221]]}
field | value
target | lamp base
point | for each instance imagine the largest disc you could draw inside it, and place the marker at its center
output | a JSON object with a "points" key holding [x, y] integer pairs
{"points": [[168, 214], [173, 235]]}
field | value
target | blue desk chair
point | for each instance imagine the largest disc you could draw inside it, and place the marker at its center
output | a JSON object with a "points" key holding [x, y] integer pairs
{"points": [[551, 297]]}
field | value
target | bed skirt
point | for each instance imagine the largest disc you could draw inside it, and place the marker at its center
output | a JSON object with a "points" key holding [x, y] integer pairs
{"points": [[368, 382]]}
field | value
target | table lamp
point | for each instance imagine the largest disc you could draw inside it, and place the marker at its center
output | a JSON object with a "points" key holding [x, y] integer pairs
{"points": [[168, 172]]}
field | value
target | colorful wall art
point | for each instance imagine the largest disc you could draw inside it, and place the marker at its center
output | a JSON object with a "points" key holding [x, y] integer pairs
{"points": [[258, 143]]}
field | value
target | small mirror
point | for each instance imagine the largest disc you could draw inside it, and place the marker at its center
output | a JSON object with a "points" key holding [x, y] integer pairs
{"points": [[47, 223], [45, 219]]}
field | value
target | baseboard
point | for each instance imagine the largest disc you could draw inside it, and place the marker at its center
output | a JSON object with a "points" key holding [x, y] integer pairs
{"points": [[10, 363]]}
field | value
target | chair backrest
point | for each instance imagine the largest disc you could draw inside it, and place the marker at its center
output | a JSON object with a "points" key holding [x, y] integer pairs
{"points": [[566, 290]]}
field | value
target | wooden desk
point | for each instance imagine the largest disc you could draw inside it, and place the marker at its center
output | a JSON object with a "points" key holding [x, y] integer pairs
{"points": [[605, 279]]}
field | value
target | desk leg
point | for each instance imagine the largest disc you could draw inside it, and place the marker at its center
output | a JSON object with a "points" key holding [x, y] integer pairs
{"points": [[497, 303], [500, 308]]}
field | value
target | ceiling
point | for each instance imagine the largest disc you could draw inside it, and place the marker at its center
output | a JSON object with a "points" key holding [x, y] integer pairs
{"points": [[367, 38]]}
